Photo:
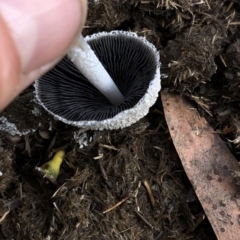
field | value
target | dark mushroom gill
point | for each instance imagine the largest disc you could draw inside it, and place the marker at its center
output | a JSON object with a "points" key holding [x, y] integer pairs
{"points": [[131, 63]]}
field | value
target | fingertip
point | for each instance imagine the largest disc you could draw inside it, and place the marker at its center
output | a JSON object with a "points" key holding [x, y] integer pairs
{"points": [[44, 30], [10, 67], [33, 38]]}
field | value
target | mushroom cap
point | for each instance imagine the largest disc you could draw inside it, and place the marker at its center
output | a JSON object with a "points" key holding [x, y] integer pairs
{"points": [[131, 61]]}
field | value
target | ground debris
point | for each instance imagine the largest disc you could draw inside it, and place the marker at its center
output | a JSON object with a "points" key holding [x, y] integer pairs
{"points": [[199, 47]]}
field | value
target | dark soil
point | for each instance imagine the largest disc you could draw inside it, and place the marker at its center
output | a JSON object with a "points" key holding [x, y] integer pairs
{"points": [[200, 54]]}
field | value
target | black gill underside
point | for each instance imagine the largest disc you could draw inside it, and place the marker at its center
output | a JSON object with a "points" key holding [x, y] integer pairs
{"points": [[64, 91]]}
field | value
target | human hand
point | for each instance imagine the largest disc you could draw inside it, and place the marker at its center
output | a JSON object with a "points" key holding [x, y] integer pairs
{"points": [[35, 35]]}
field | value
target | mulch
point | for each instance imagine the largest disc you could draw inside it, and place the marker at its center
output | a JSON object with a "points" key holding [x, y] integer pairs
{"points": [[129, 183]]}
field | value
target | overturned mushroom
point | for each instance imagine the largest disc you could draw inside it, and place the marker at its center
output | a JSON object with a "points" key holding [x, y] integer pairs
{"points": [[79, 91], [51, 169]]}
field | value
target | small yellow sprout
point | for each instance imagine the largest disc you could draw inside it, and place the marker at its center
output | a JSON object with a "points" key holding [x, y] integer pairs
{"points": [[51, 168]]}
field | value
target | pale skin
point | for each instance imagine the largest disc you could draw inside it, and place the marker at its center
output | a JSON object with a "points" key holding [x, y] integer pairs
{"points": [[35, 35]]}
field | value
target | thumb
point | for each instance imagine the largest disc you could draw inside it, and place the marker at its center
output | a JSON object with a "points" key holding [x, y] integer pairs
{"points": [[34, 36]]}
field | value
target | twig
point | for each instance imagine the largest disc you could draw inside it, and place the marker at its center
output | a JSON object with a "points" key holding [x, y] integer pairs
{"points": [[100, 162], [58, 210], [135, 195], [149, 191], [116, 205], [98, 157], [234, 23], [145, 220], [10, 205], [108, 147], [223, 61], [229, 7], [199, 220], [27, 145], [126, 229], [60, 188], [104, 174], [100, 154], [53, 140], [158, 148], [207, 3], [51, 226], [4, 216]]}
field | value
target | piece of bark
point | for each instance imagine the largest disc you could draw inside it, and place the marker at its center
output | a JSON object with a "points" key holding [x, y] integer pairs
{"points": [[208, 164]]}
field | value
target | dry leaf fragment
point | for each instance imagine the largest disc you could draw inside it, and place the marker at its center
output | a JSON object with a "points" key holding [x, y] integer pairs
{"points": [[208, 164]]}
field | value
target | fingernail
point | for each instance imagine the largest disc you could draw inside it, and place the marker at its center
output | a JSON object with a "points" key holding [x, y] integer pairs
{"points": [[41, 30]]}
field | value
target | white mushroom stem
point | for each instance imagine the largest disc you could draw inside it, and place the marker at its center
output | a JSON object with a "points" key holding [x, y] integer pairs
{"points": [[89, 65]]}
